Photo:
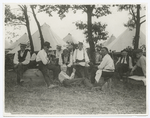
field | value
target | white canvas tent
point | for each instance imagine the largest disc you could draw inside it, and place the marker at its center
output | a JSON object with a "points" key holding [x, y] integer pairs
{"points": [[23, 38], [48, 35], [111, 39], [70, 39], [16, 45], [125, 40], [7, 44]]}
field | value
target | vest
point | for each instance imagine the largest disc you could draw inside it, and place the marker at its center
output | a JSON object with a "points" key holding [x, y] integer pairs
{"points": [[127, 60], [21, 59], [83, 60], [68, 60]]}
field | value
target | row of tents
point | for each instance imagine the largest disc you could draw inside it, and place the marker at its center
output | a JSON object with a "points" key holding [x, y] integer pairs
{"points": [[113, 43]]}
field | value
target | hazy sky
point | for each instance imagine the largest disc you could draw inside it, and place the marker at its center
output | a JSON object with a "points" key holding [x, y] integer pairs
{"points": [[62, 27]]}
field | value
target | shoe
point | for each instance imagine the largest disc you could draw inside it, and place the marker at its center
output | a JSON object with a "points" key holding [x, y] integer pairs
{"points": [[52, 86]]}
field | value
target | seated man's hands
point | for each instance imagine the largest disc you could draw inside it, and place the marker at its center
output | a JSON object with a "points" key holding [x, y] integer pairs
{"points": [[75, 63]]}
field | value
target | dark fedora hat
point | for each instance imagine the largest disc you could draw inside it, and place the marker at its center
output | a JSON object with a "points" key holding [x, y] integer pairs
{"points": [[138, 51], [47, 44]]}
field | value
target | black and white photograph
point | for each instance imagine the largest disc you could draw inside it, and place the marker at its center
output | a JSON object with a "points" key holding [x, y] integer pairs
{"points": [[75, 59]]}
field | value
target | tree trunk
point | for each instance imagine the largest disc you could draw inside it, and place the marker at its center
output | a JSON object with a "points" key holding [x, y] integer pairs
{"points": [[137, 33], [89, 24], [39, 28], [28, 28]]}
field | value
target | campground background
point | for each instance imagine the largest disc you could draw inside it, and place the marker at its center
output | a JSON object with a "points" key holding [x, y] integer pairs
{"points": [[2, 41]]}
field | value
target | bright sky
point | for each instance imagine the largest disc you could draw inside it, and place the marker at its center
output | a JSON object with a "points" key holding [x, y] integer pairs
{"points": [[62, 27]]}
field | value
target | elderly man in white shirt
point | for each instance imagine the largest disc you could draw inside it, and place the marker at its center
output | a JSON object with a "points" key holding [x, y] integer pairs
{"points": [[67, 80], [105, 69], [80, 63], [21, 61], [45, 65]]}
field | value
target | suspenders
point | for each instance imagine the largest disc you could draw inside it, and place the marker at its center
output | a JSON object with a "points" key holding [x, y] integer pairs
{"points": [[83, 54]]}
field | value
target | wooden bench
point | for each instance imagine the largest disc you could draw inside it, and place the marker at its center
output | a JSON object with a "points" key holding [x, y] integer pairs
{"points": [[137, 79]]}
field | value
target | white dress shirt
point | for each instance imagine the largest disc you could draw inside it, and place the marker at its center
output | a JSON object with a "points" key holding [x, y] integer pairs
{"points": [[66, 60], [33, 57], [42, 56], [107, 64], [58, 53], [25, 62], [80, 55], [142, 63], [62, 76]]}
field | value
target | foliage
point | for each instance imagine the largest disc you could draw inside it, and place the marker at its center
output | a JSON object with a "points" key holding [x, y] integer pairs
{"points": [[18, 16], [14, 16], [98, 30]]}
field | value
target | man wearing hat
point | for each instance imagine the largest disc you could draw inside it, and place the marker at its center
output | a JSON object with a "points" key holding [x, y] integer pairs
{"points": [[21, 61], [45, 65], [140, 66], [80, 63], [66, 59]]}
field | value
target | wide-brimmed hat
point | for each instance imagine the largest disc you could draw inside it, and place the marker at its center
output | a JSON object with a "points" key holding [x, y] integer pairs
{"points": [[58, 45], [23, 44], [80, 43], [47, 44], [138, 51]]}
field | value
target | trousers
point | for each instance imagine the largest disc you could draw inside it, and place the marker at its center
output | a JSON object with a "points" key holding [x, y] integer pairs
{"points": [[20, 69], [81, 72], [45, 71]]}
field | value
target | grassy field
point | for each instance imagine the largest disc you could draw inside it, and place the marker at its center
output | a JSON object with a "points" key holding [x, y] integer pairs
{"points": [[35, 99]]}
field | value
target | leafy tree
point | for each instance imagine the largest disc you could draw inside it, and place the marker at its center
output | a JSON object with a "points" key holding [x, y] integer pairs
{"points": [[135, 21], [19, 17]]}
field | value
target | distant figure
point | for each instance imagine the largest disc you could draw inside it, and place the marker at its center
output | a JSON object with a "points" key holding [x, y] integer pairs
{"points": [[66, 59], [45, 65], [124, 64], [70, 49], [58, 53], [21, 61], [105, 70], [67, 80], [80, 63], [140, 67]]}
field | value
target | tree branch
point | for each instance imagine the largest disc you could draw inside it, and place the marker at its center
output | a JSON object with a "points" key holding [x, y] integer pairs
{"points": [[21, 7], [132, 13], [142, 16], [142, 22]]}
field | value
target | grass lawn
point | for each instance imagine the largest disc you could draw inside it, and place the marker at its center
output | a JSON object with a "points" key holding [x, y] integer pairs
{"points": [[35, 99]]}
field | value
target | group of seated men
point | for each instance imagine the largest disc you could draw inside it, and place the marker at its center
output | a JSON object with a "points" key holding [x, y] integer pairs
{"points": [[125, 64], [71, 66]]}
